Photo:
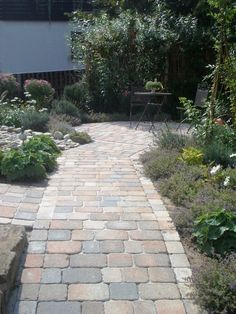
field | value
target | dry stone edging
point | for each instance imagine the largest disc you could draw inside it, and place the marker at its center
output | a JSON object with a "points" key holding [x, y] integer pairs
{"points": [[12, 243]]}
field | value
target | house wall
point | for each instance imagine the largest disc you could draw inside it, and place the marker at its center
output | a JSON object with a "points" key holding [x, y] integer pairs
{"points": [[27, 47]]}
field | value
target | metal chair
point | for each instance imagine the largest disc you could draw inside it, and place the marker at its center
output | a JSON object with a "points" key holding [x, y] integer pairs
{"points": [[136, 101], [200, 98]]}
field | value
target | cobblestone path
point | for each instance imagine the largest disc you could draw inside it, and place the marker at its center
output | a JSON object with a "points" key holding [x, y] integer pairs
{"points": [[102, 239]]}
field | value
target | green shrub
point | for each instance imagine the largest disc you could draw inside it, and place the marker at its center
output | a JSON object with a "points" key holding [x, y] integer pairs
{"points": [[31, 161], [19, 165], [80, 137], [35, 120], [65, 107], [46, 149], [215, 232], [41, 143], [41, 91], [215, 285], [220, 146], [170, 140], [192, 156], [78, 94], [183, 185], [162, 164], [9, 85], [218, 153]]}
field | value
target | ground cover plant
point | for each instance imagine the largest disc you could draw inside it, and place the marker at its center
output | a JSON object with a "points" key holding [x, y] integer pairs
{"points": [[204, 193], [31, 161]]}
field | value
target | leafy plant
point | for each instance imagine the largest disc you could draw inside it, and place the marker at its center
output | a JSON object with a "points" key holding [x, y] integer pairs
{"points": [[80, 137], [19, 165], [154, 85], [215, 232], [65, 107], [215, 285], [41, 143], [78, 94], [192, 156], [35, 120], [41, 91]]}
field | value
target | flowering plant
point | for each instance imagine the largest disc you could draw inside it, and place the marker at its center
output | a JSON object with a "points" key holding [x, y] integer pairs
{"points": [[40, 90]]}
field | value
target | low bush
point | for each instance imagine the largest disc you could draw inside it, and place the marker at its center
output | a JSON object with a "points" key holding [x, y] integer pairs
{"points": [[183, 185], [41, 143], [65, 107], [192, 156], [19, 165], [78, 94], [35, 120], [215, 232], [161, 164], [31, 161], [80, 137], [170, 140], [215, 285], [41, 91], [218, 153]]}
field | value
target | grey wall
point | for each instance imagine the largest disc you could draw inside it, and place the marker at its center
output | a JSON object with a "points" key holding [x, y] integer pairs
{"points": [[27, 47]]}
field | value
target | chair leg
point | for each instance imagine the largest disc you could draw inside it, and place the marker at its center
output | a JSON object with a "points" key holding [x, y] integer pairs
{"points": [[130, 116], [144, 111]]}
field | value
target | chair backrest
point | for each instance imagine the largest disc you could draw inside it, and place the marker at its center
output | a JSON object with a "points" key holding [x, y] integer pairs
{"points": [[201, 97]]}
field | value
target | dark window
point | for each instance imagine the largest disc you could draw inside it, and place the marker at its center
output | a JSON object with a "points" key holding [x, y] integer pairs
{"points": [[41, 9]]}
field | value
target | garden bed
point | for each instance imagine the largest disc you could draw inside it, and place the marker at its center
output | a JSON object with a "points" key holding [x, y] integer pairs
{"points": [[198, 183]]}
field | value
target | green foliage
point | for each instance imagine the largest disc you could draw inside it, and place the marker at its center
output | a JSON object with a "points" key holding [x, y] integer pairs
{"points": [[167, 139], [127, 50], [41, 143], [46, 150], [192, 156], [9, 85], [65, 107], [214, 284], [184, 184], [80, 137], [154, 85], [19, 165], [31, 161], [41, 91], [78, 94], [35, 120], [215, 232], [161, 164], [220, 145]]}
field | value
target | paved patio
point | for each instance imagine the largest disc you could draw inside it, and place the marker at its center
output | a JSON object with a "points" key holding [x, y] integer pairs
{"points": [[102, 239]]}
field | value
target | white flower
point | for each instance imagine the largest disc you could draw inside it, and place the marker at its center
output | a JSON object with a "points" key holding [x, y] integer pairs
{"points": [[232, 155], [227, 181], [215, 169]]}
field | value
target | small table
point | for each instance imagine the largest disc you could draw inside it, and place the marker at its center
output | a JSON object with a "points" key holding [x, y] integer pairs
{"points": [[151, 101]]}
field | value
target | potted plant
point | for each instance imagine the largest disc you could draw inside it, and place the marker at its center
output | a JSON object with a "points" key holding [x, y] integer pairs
{"points": [[154, 86]]}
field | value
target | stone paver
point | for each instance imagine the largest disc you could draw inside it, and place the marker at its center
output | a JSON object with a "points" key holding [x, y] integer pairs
{"points": [[102, 240]]}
